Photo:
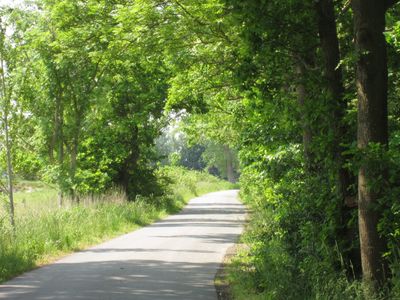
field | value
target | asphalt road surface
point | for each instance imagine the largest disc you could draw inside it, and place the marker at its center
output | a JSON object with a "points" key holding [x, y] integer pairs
{"points": [[175, 258]]}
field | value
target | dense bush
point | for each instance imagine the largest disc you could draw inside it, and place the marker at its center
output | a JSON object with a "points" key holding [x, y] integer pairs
{"points": [[293, 249]]}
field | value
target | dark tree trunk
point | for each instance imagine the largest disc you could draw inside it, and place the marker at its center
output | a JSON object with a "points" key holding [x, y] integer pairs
{"points": [[75, 148], [73, 167], [307, 132], [369, 25], [60, 140], [131, 162], [52, 142], [58, 135], [333, 74]]}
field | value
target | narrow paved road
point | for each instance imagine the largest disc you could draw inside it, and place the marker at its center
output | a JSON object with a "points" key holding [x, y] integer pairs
{"points": [[175, 258]]}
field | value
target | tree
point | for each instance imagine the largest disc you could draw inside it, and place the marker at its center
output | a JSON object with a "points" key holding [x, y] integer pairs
{"points": [[94, 82], [333, 72], [372, 89], [6, 106]]}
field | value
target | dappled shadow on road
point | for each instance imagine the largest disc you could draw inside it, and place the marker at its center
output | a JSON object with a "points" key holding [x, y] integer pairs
{"points": [[144, 279], [206, 210], [220, 204], [138, 250], [205, 216], [207, 238], [199, 223]]}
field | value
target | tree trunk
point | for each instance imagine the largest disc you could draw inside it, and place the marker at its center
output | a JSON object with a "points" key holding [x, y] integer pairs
{"points": [[73, 167], [9, 163], [131, 162], [333, 74], [9, 170], [75, 147], [74, 161], [371, 80], [52, 142], [229, 164], [307, 132], [6, 106], [54, 135], [60, 140]]}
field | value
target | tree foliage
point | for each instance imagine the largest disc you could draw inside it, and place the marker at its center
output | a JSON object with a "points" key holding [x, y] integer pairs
{"points": [[301, 94]]}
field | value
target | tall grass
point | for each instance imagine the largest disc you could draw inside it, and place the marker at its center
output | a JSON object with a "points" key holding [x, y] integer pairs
{"points": [[45, 232]]}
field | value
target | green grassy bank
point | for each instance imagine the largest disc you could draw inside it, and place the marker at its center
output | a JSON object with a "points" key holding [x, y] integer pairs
{"points": [[45, 232]]}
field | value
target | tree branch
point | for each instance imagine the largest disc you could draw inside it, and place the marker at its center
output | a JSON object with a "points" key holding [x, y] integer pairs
{"points": [[217, 31], [345, 8], [388, 4]]}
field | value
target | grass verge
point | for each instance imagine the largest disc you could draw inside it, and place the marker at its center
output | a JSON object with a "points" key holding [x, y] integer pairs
{"points": [[44, 232]]}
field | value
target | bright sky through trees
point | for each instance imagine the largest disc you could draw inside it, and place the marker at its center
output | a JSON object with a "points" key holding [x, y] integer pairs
{"points": [[13, 3]]}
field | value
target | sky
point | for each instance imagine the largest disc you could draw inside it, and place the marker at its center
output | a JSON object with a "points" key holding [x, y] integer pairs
{"points": [[10, 2]]}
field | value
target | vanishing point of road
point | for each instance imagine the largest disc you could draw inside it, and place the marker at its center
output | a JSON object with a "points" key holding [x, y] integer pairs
{"points": [[175, 258]]}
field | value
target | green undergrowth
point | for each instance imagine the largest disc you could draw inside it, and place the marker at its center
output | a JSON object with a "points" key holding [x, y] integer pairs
{"points": [[266, 269], [285, 256], [45, 232]]}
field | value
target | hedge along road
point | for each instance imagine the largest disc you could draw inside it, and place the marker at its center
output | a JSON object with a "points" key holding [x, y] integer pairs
{"points": [[175, 258]]}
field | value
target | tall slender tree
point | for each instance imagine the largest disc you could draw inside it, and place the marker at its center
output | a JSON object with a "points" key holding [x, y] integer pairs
{"points": [[372, 91], [6, 105]]}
